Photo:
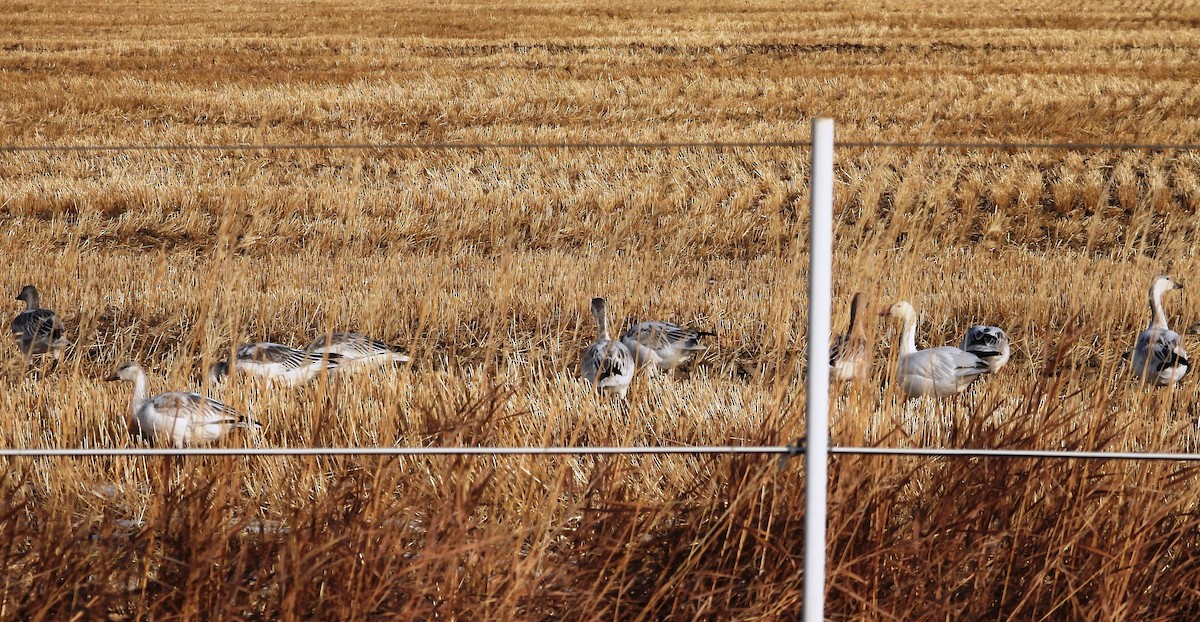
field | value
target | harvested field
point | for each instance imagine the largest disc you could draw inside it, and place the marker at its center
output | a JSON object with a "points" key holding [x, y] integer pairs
{"points": [[481, 262]]}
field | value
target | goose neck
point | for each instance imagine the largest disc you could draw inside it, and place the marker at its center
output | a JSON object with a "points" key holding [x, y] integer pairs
{"points": [[601, 325], [139, 393], [908, 335], [1158, 318]]}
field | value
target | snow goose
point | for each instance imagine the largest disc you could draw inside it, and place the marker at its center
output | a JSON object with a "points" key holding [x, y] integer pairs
{"points": [[37, 330], [988, 343], [941, 372], [179, 417], [848, 356], [1158, 353], [607, 365], [663, 345], [358, 351], [276, 362]]}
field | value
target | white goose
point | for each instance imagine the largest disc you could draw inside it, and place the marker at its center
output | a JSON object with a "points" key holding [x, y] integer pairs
{"points": [[37, 330], [607, 365], [849, 356], [1158, 354], [179, 417], [358, 351], [275, 362], [663, 345], [988, 343], [941, 372]]}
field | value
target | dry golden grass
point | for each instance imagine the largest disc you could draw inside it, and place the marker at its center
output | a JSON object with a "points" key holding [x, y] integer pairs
{"points": [[482, 263]]}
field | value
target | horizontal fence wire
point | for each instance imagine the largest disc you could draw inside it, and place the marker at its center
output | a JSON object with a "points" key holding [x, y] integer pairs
{"points": [[386, 451], [1052, 454], [780, 450], [707, 145]]}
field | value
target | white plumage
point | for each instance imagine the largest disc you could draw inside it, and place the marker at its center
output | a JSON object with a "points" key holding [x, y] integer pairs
{"points": [[663, 345], [941, 372], [275, 362], [989, 343], [606, 364], [178, 417], [1158, 354], [358, 351]]}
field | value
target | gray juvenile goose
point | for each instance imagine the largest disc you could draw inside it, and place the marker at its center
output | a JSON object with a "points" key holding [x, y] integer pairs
{"points": [[850, 356], [37, 330]]}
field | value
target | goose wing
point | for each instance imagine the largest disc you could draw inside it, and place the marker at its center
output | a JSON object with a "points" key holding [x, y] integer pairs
{"points": [[593, 357], [198, 410], [274, 353], [988, 343], [842, 346], [661, 335], [943, 363], [606, 359], [1169, 351], [39, 324], [352, 345], [985, 341]]}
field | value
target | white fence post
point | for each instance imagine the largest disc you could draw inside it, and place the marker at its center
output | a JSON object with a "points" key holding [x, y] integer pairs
{"points": [[816, 457]]}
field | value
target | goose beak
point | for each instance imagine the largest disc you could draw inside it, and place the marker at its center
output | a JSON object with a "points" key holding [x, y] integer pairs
{"points": [[1178, 285], [111, 377], [885, 313]]}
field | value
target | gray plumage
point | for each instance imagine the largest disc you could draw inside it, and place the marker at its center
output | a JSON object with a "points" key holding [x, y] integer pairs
{"points": [[849, 355], [606, 364], [358, 351], [1159, 357], [989, 343], [37, 330], [663, 345]]}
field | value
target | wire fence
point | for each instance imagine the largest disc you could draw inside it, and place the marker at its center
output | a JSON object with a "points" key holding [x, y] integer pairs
{"points": [[101, 452], [780, 450], [703, 145], [785, 451]]}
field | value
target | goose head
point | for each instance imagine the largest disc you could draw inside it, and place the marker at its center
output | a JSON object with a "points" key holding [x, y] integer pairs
{"points": [[29, 295], [1162, 284], [217, 371], [902, 311], [127, 371]]}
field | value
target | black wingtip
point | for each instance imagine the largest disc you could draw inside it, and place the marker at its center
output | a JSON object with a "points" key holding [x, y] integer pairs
{"points": [[607, 369]]}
